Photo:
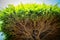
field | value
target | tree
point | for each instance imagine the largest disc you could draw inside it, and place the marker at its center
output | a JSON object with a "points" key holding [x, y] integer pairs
{"points": [[30, 22]]}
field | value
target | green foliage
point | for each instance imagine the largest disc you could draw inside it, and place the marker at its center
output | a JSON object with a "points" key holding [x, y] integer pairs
{"points": [[10, 14]]}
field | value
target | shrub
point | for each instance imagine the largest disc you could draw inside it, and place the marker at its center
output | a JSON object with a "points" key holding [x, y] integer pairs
{"points": [[30, 22]]}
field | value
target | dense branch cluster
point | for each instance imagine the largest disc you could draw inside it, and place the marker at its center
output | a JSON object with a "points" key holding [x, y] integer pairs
{"points": [[31, 22]]}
